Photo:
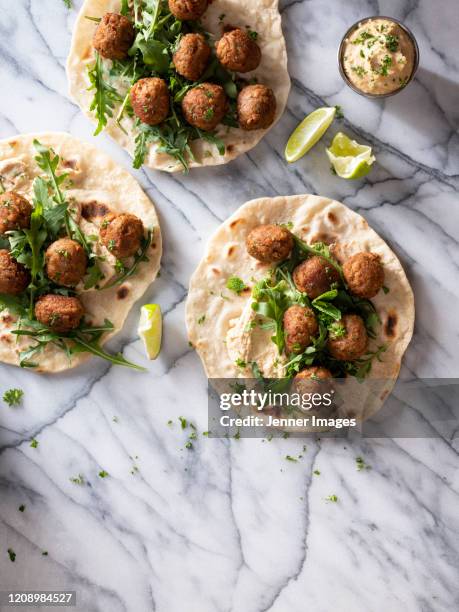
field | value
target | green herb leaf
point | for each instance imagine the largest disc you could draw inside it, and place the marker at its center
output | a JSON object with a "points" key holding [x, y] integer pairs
{"points": [[105, 95], [13, 397], [236, 284], [139, 257]]}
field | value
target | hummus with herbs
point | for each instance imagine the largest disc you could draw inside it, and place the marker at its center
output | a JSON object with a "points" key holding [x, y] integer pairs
{"points": [[379, 57]]}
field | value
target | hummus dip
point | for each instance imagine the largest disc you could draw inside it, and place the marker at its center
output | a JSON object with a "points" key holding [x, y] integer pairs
{"points": [[378, 57]]}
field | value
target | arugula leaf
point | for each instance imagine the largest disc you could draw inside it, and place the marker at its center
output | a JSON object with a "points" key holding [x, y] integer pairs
{"points": [[82, 340], [320, 249], [271, 302], [15, 305], [124, 10], [322, 303], [105, 95], [138, 259]]}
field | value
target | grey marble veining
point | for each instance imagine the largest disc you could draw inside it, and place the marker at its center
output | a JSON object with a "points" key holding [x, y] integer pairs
{"points": [[232, 526]]}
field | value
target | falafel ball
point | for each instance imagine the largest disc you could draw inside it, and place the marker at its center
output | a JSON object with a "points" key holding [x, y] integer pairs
{"points": [[192, 56], [59, 312], [256, 107], [66, 262], [315, 276], [150, 100], [238, 52], [14, 277], [354, 343], [311, 380], [114, 36], [204, 106], [188, 10], [300, 326], [314, 373], [121, 234], [269, 243], [364, 274], [15, 212]]}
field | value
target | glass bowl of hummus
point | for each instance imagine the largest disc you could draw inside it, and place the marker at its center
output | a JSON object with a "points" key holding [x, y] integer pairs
{"points": [[378, 57]]}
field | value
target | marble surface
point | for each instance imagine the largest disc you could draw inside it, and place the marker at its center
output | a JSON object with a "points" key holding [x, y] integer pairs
{"points": [[230, 525]]}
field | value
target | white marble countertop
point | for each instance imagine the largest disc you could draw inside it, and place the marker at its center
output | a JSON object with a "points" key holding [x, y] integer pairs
{"points": [[230, 525]]}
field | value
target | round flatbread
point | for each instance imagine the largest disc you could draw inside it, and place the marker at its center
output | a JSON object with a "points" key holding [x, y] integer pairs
{"points": [[262, 16], [218, 320], [96, 186]]}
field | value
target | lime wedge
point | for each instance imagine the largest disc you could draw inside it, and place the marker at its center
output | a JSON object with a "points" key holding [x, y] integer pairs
{"points": [[350, 159], [308, 133], [150, 329]]}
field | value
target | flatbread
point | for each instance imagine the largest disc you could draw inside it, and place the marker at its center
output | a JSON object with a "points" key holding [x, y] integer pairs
{"points": [[261, 15], [219, 336], [99, 186]]}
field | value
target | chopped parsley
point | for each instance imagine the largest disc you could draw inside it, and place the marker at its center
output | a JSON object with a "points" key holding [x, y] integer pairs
{"points": [[364, 37], [332, 498], [359, 70], [13, 397], [240, 363], [34, 443], [103, 474], [78, 480], [12, 555], [391, 42], [201, 319], [21, 508], [183, 422], [290, 458], [316, 472], [236, 284], [385, 65], [339, 115], [361, 465]]}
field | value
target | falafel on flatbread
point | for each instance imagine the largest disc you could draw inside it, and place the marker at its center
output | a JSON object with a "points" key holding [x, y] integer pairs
{"points": [[147, 84], [75, 257], [282, 285]]}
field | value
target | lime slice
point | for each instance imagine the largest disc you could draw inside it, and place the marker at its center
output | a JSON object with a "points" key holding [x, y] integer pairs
{"points": [[308, 133], [150, 329], [350, 159]]}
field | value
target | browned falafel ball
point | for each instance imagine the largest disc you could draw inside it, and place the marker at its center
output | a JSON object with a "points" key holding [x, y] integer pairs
{"points": [[15, 212], [150, 100], [59, 312], [364, 274], [238, 52], [66, 262], [256, 107], [354, 343], [204, 106], [188, 10], [269, 243], [315, 276], [314, 373], [14, 277], [314, 379], [300, 326], [192, 56], [121, 234], [114, 36]]}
